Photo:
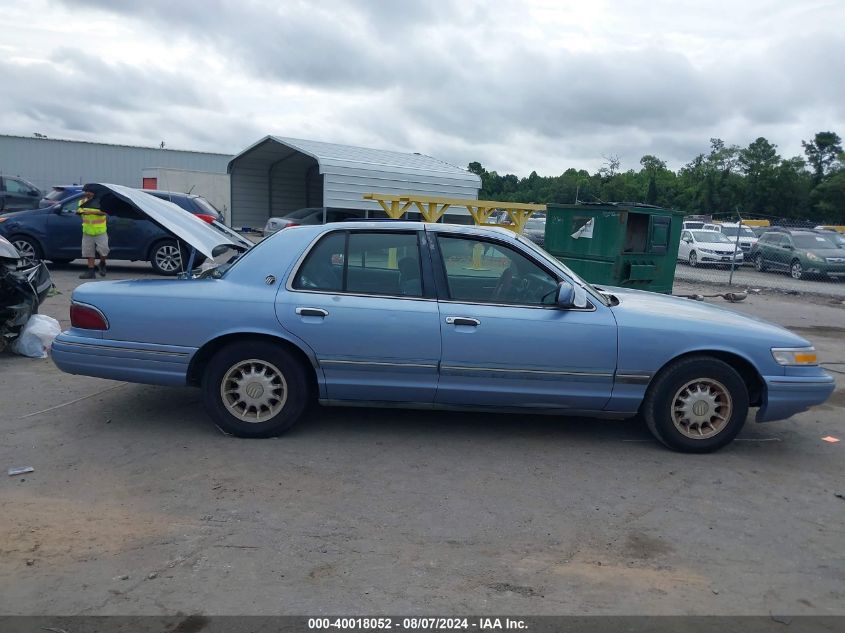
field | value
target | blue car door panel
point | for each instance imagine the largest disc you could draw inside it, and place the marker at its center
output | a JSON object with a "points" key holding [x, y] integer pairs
{"points": [[357, 300], [504, 341]]}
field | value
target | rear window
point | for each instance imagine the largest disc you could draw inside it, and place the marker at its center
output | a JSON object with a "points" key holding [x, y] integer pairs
{"points": [[182, 201], [206, 207], [58, 193]]}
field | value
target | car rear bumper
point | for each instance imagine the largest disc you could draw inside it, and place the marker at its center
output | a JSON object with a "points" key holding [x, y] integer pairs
{"points": [[122, 360], [787, 395]]}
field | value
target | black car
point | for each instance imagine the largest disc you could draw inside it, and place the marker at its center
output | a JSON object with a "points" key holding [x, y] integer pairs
{"points": [[17, 194], [55, 233]]}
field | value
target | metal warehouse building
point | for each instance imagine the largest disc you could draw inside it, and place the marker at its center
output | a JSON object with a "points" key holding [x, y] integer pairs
{"points": [[49, 162], [277, 175]]}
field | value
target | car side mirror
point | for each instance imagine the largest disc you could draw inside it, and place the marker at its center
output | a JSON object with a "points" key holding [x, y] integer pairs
{"points": [[570, 296]]}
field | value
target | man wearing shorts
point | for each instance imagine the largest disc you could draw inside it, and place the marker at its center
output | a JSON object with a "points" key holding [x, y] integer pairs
{"points": [[95, 239]]}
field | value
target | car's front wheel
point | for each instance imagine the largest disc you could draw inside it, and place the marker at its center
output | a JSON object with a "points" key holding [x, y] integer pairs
{"points": [[796, 270], [166, 257], [29, 249], [696, 405], [254, 389], [693, 259]]}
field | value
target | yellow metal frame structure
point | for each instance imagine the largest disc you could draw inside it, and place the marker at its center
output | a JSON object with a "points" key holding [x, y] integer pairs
{"points": [[432, 208]]}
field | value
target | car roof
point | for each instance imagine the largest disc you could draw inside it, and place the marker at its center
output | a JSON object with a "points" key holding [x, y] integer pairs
{"points": [[159, 192], [407, 225]]}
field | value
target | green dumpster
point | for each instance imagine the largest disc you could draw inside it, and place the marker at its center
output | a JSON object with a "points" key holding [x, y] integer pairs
{"points": [[616, 244]]}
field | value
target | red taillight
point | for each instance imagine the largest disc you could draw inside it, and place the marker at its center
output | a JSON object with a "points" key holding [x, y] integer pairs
{"points": [[87, 317], [208, 218], [291, 225]]}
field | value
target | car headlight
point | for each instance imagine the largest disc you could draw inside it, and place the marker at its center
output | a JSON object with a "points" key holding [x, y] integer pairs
{"points": [[814, 258], [795, 355]]}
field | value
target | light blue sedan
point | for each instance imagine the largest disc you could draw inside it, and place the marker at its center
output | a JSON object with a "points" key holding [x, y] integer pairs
{"points": [[431, 316]]}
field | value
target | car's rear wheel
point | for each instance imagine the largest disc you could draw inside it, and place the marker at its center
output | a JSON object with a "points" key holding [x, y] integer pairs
{"points": [[696, 405], [759, 263], [254, 389], [29, 249], [693, 259], [796, 270]]}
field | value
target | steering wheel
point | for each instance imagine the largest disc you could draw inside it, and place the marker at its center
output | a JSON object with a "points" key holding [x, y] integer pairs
{"points": [[504, 285]]}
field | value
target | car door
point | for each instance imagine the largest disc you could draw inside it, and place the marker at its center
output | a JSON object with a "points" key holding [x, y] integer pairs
{"points": [[359, 299], [684, 246], [505, 343], [778, 257], [64, 231]]}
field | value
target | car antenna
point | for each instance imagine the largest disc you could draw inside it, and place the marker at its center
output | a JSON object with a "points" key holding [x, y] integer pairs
{"points": [[188, 192]]}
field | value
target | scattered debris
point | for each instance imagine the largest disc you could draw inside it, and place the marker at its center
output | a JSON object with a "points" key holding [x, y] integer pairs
{"points": [[827, 438], [54, 630], [30, 562], [122, 577], [839, 495], [22, 470], [152, 575], [733, 297]]}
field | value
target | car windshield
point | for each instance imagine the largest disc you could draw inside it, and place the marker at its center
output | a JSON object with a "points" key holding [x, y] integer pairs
{"points": [[557, 264], [710, 236], [299, 214], [731, 231], [811, 242]]}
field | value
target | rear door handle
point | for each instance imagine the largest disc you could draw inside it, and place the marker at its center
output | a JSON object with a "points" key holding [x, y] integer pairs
{"points": [[315, 312], [455, 320]]}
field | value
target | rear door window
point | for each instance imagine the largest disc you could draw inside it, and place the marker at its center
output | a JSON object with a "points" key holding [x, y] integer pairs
{"points": [[367, 263]]}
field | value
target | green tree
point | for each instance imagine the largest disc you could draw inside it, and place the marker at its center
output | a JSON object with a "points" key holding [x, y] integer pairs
{"points": [[828, 199], [759, 162], [822, 154]]}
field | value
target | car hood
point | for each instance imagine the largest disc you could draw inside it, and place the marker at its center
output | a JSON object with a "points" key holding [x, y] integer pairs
{"points": [[172, 218], [716, 246], [638, 306]]}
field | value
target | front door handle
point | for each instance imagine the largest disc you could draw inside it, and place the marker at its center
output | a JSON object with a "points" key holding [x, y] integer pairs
{"points": [[455, 320], [315, 312]]}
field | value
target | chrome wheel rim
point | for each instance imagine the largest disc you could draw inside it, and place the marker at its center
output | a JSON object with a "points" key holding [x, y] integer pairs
{"points": [[701, 408], [27, 251], [796, 270], [693, 260], [168, 258], [254, 390], [758, 263]]}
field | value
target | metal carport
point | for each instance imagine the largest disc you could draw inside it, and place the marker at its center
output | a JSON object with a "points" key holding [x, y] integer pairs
{"points": [[278, 175]]}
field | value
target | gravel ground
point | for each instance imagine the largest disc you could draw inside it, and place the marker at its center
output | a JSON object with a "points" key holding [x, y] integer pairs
{"points": [[138, 505], [747, 277]]}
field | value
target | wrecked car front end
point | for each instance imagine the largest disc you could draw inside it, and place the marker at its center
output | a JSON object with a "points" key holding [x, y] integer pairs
{"points": [[22, 289]]}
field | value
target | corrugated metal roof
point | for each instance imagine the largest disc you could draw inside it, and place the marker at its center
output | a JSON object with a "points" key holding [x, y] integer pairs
{"points": [[331, 155], [74, 141]]}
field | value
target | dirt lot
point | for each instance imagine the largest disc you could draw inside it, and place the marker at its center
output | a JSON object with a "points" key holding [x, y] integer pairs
{"points": [[138, 505]]}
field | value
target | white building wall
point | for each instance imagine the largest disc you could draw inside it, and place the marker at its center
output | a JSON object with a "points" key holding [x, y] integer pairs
{"points": [[214, 187]]}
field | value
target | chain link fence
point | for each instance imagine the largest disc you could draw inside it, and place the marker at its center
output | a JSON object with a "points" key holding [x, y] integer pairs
{"points": [[786, 255]]}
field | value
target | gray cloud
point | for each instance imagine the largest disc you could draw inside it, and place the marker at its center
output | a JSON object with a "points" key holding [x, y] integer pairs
{"points": [[470, 81]]}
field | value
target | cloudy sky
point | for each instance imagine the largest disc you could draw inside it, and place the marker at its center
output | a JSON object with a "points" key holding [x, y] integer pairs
{"points": [[534, 85]]}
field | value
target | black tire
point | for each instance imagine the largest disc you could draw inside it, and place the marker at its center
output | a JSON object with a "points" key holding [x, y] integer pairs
{"points": [[166, 257], [285, 404], [796, 271], [691, 373], [759, 263], [28, 247], [693, 259]]}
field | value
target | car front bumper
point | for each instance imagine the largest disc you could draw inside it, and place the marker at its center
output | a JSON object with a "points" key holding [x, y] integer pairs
{"points": [[719, 258], [787, 395]]}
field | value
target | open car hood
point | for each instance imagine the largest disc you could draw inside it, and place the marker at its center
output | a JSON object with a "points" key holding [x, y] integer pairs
{"points": [[123, 201]]}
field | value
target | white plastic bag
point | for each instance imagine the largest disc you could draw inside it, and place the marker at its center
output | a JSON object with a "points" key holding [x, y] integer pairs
{"points": [[37, 336]]}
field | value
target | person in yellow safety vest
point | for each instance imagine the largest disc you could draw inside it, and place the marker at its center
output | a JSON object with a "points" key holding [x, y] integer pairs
{"points": [[95, 238]]}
